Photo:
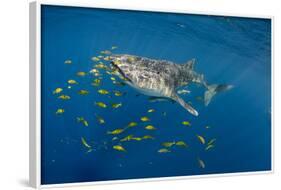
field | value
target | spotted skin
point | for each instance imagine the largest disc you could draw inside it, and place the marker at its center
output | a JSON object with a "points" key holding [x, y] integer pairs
{"points": [[159, 78]]}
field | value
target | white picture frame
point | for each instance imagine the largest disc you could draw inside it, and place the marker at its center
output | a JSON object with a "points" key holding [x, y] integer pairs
{"points": [[35, 94]]}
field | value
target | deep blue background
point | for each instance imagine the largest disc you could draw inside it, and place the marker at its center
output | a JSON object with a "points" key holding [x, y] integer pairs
{"points": [[228, 50]]}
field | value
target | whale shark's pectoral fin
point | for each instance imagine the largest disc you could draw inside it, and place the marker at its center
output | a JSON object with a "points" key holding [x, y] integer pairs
{"points": [[190, 109]]}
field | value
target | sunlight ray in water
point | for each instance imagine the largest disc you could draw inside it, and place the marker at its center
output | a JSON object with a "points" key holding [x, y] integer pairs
{"points": [[166, 94]]}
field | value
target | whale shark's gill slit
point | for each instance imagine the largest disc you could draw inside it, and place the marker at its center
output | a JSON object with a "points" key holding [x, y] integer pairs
{"points": [[120, 71]]}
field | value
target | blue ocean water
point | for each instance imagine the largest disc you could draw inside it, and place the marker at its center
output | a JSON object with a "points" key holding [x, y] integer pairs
{"points": [[228, 50]]}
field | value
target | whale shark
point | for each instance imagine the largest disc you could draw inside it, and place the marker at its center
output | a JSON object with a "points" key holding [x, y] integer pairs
{"points": [[162, 78]]}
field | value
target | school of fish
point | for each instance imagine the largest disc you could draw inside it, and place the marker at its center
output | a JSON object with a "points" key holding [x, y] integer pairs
{"points": [[103, 70]]}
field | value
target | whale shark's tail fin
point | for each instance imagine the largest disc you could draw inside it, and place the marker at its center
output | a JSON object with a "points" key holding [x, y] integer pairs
{"points": [[213, 90]]}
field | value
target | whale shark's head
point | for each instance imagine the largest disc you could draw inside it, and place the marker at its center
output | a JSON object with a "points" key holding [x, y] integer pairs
{"points": [[122, 59], [122, 64], [115, 57]]}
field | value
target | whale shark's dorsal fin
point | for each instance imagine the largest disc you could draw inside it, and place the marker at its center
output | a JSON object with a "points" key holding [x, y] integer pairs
{"points": [[189, 65]]}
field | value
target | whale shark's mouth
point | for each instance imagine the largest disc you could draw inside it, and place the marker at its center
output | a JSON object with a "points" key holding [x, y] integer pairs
{"points": [[119, 70]]}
